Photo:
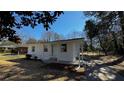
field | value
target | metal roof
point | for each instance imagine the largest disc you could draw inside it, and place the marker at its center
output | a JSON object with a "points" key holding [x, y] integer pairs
{"points": [[68, 40], [65, 40]]}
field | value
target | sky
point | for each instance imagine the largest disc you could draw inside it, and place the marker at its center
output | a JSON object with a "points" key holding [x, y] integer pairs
{"points": [[66, 23]]}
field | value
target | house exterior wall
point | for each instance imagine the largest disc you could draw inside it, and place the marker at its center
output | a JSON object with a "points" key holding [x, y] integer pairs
{"points": [[39, 51], [73, 50], [30, 50], [45, 55], [65, 56], [76, 48]]}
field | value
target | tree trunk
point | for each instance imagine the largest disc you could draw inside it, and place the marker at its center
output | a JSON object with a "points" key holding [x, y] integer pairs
{"points": [[115, 43], [91, 44], [104, 50], [121, 16]]}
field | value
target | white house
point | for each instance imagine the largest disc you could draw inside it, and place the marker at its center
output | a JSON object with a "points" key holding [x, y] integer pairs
{"points": [[60, 51]]}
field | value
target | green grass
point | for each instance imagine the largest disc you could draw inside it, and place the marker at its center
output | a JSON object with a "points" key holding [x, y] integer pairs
{"points": [[8, 56]]}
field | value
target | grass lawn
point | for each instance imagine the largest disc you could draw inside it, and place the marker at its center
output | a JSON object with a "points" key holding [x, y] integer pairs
{"points": [[8, 56], [115, 62], [16, 67]]}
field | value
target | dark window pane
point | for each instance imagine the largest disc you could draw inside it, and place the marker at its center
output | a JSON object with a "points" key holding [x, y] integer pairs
{"points": [[45, 48], [33, 49], [63, 47]]}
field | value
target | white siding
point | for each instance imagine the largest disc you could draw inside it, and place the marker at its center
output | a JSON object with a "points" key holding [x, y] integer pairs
{"points": [[73, 50], [30, 49], [46, 55], [63, 56], [76, 48], [38, 50], [67, 56]]}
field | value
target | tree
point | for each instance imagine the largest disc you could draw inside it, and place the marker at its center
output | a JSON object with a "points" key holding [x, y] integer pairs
{"points": [[57, 36], [96, 31], [10, 20], [85, 46], [31, 40], [121, 18], [51, 36], [108, 21], [74, 34], [90, 29]]}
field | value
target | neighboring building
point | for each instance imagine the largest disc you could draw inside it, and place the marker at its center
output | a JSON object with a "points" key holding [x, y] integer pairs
{"points": [[7, 46], [60, 51], [22, 48], [11, 47]]}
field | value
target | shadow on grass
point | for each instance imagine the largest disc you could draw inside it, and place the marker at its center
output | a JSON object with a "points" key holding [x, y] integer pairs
{"points": [[64, 71], [39, 71], [121, 72], [92, 57], [93, 72], [116, 62]]}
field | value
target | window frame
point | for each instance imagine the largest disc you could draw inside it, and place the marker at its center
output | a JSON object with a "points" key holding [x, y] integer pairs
{"points": [[33, 49], [63, 47], [45, 48]]}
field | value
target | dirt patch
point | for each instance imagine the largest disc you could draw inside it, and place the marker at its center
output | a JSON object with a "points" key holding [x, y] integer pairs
{"points": [[18, 68]]}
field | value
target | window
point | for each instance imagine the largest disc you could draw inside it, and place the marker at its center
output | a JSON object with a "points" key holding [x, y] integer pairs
{"points": [[33, 49], [63, 47], [45, 48]]}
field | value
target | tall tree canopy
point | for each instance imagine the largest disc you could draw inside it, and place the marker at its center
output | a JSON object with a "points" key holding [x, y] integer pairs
{"points": [[110, 23], [10, 20], [91, 32]]}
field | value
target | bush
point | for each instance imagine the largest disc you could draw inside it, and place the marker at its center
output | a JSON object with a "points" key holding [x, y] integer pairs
{"points": [[28, 56]]}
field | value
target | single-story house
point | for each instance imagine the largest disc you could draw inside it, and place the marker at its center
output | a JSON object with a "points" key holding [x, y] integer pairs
{"points": [[11, 47], [6, 48], [60, 51]]}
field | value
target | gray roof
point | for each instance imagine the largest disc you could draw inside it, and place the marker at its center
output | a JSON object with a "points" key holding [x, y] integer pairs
{"points": [[7, 43], [73, 39], [65, 40]]}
